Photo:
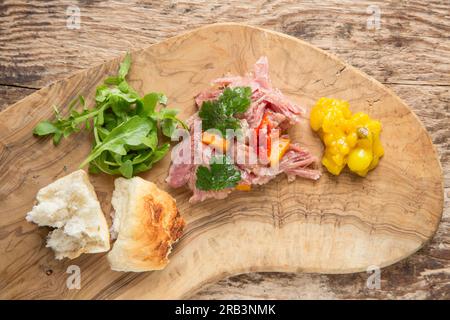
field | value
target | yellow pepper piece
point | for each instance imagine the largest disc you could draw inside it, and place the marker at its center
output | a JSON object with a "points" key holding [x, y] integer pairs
{"points": [[351, 140], [277, 153], [215, 141], [243, 187]]}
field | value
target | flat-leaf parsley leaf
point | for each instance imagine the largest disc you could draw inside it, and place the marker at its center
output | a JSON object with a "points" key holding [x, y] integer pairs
{"points": [[222, 174], [219, 114]]}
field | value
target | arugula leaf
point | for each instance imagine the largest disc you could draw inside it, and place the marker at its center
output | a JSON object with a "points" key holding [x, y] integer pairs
{"points": [[44, 128], [157, 155], [151, 141], [160, 152], [130, 132], [149, 103], [100, 165], [112, 81], [125, 126], [168, 121], [168, 126], [124, 66], [126, 169], [57, 137], [219, 114], [222, 174], [65, 127]]}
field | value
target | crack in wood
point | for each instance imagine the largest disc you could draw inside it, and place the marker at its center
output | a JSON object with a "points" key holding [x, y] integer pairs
{"points": [[19, 86]]}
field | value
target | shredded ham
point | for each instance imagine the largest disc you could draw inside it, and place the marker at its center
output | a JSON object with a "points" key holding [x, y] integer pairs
{"points": [[296, 162], [211, 94]]}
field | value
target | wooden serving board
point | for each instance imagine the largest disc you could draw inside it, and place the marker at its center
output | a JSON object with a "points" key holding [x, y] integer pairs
{"points": [[335, 225]]}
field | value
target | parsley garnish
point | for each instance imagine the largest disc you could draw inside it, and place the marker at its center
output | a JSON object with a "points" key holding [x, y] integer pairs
{"points": [[221, 175], [219, 114]]}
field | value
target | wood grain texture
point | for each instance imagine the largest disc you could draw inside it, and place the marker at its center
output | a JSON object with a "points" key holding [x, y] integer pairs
{"points": [[410, 53], [335, 225]]}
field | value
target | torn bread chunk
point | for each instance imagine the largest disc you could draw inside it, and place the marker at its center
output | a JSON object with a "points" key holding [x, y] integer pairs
{"points": [[146, 222], [70, 205]]}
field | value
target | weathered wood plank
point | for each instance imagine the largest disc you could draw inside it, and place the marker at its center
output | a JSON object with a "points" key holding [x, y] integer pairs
{"points": [[38, 48], [410, 53], [12, 94]]}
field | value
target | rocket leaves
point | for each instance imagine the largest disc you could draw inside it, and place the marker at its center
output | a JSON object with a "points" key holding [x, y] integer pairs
{"points": [[126, 127], [132, 132]]}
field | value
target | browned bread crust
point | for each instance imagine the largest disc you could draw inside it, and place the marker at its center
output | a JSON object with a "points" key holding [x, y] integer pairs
{"points": [[149, 223]]}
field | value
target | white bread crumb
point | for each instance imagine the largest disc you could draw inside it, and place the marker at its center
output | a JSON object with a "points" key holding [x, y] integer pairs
{"points": [[71, 206]]}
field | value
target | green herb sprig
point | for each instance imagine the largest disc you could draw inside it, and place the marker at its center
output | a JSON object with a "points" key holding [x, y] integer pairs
{"points": [[222, 174], [219, 114], [125, 126]]}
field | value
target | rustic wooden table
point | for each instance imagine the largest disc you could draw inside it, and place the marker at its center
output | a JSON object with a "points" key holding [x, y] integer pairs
{"points": [[407, 49]]}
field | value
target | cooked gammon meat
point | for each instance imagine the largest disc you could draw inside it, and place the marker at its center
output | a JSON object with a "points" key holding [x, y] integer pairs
{"points": [[212, 163]]}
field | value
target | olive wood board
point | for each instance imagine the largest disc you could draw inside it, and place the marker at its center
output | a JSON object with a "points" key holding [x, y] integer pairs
{"points": [[338, 224]]}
